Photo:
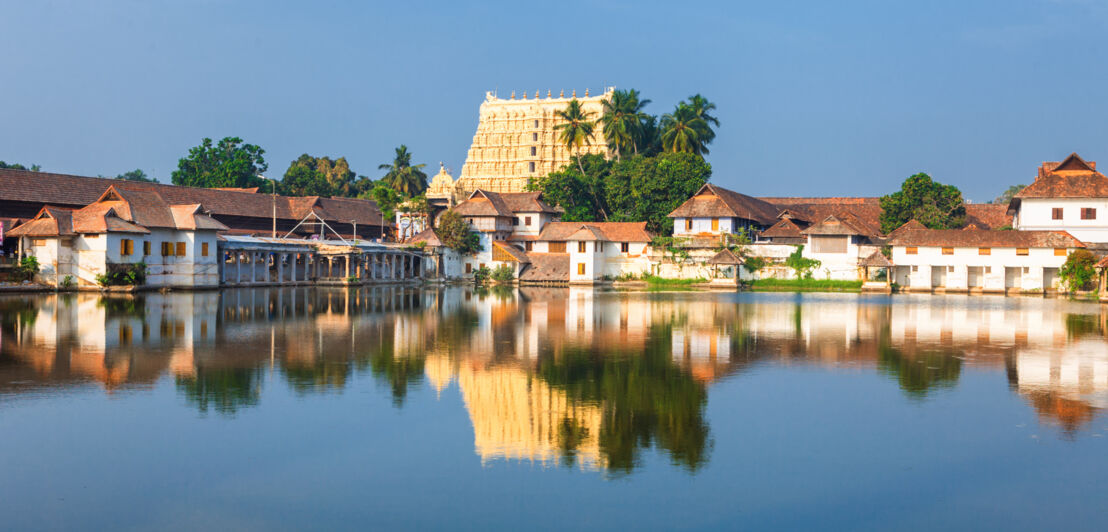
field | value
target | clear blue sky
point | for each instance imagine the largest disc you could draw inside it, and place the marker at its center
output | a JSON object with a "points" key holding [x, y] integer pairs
{"points": [[815, 98]]}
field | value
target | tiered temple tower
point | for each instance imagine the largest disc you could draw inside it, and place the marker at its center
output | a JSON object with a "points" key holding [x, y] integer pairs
{"points": [[516, 141]]}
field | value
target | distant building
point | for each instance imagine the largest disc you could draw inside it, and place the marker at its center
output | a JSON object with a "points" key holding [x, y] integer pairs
{"points": [[1067, 196]]}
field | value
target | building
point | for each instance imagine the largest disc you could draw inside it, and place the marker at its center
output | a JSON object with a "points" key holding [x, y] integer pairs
{"points": [[177, 243], [978, 260], [244, 211], [516, 141], [1070, 195]]}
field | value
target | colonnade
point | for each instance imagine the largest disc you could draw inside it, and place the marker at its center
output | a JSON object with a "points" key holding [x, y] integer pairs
{"points": [[245, 267]]}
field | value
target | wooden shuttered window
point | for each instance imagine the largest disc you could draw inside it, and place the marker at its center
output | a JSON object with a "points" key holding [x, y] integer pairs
{"points": [[1022, 251], [911, 250], [126, 247], [581, 247], [1088, 213], [180, 249], [948, 251], [580, 268], [715, 224], [557, 247], [167, 249], [1056, 213], [204, 249], [1059, 252], [145, 247], [984, 251]]}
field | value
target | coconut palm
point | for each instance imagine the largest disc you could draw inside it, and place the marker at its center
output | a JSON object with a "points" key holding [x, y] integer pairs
{"points": [[404, 177], [622, 121], [575, 129], [701, 106], [684, 131]]}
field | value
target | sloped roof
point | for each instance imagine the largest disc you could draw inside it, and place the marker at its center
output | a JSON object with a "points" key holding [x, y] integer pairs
{"points": [[546, 267], [876, 260], [784, 228], [1103, 263], [427, 235], [50, 221], [984, 238], [140, 207], [482, 203], [77, 191], [611, 231], [513, 251], [841, 224], [1071, 178], [712, 201], [988, 215], [526, 202], [910, 225], [725, 258], [194, 217]]}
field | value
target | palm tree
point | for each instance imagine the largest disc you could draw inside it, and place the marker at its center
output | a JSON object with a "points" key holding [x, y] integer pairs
{"points": [[684, 131], [575, 129], [651, 142], [701, 106], [404, 177], [622, 120]]}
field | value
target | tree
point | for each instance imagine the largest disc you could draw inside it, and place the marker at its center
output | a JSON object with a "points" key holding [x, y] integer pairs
{"points": [[1007, 195], [933, 204], [320, 176], [622, 121], [17, 166], [575, 190], [649, 188], [701, 108], [800, 264], [456, 234], [387, 200], [136, 175], [1079, 270], [684, 131], [576, 128], [405, 178], [231, 163]]}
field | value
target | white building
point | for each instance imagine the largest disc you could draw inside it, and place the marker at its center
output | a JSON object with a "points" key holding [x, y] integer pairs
{"points": [[978, 260], [1065, 196], [177, 243]]}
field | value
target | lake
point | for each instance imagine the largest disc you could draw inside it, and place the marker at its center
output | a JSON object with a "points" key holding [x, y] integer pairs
{"points": [[551, 408]]}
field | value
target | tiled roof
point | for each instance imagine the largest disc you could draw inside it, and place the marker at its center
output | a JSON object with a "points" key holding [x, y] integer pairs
{"points": [[75, 191], [546, 267], [194, 217], [841, 224], [875, 260], [988, 215], [1070, 178], [712, 201], [514, 252], [526, 202], [427, 235], [983, 238], [725, 257], [611, 231], [784, 228], [482, 203], [50, 221]]}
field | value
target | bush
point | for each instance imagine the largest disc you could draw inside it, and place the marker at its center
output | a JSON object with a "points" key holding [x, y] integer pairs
{"points": [[26, 269], [456, 234], [503, 273], [123, 275], [803, 266], [481, 274], [67, 281], [1079, 270], [754, 264]]}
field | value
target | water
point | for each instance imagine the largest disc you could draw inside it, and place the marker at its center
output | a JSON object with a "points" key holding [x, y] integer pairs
{"points": [[551, 409]]}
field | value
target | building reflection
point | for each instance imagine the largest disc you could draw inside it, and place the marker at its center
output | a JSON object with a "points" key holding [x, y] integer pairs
{"points": [[550, 376]]}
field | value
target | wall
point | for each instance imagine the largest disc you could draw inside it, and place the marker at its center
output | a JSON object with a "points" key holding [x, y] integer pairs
{"points": [[1005, 269], [703, 226], [1036, 214]]}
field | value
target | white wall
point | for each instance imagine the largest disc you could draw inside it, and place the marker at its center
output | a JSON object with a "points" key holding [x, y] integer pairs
{"points": [[916, 271], [1037, 214], [702, 226]]}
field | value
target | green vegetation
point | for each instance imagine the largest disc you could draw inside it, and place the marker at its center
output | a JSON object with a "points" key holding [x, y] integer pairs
{"points": [[482, 274], [67, 282], [456, 234], [1079, 270], [503, 273], [1006, 197], [672, 246], [804, 285], [407, 179], [800, 264], [623, 122], [922, 372], [933, 204], [26, 269], [17, 166], [225, 390], [654, 280], [231, 163], [136, 175], [755, 264], [322, 176], [123, 275]]}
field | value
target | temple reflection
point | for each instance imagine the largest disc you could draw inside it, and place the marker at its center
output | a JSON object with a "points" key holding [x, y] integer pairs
{"points": [[551, 376]]}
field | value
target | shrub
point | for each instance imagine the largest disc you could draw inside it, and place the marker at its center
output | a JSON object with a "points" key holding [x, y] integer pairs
{"points": [[481, 274], [67, 281], [800, 264], [1079, 270], [123, 275], [754, 264], [27, 268], [503, 273]]}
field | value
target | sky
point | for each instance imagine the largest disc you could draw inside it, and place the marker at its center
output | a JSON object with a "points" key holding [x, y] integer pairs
{"points": [[843, 98]]}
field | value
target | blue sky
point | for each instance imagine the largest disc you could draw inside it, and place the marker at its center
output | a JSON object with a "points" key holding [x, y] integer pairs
{"points": [[815, 98]]}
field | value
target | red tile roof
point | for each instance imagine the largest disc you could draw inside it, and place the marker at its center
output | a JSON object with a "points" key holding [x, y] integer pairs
{"points": [[611, 231], [546, 267], [842, 224], [725, 257], [1070, 178], [983, 238], [712, 201]]}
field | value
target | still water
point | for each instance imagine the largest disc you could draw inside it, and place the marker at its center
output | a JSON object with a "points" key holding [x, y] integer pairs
{"points": [[398, 408]]}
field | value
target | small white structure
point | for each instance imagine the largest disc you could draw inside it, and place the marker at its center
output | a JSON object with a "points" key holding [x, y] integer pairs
{"points": [[978, 260], [1065, 196], [177, 243], [716, 210]]}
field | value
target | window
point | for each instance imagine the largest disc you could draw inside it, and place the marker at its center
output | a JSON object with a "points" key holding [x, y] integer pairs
{"points": [[527, 221], [557, 247], [481, 266], [915, 268], [911, 250], [1088, 213], [688, 224], [531, 166], [534, 151], [580, 247], [145, 247], [600, 247], [950, 269], [1059, 252], [580, 268], [527, 245], [536, 123], [624, 247], [469, 267], [38, 242], [515, 221], [988, 269], [1025, 269], [715, 224], [948, 251], [126, 247], [1021, 251], [167, 249], [180, 249], [203, 249], [984, 251], [829, 243], [1056, 213], [535, 137]]}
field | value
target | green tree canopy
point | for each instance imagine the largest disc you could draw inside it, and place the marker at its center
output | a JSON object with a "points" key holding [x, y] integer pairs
{"points": [[387, 199], [622, 121], [685, 131], [231, 163], [933, 204], [136, 175], [17, 166], [320, 176], [576, 128], [456, 234], [1008, 194], [406, 179], [1079, 270]]}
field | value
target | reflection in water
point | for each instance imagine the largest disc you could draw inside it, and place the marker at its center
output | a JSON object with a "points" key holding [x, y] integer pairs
{"points": [[558, 377]]}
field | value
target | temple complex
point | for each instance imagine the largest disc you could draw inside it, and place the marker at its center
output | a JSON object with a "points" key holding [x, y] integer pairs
{"points": [[516, 141]]}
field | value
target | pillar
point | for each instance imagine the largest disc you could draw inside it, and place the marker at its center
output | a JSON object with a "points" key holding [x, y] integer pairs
{"points": [[279, 258], [253, 267], [238, 268]]}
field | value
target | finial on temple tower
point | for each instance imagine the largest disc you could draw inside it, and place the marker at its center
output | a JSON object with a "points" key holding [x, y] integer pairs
{"points": [[574, 93], [548, 93], [562, 94], [513, 95], [586, 93], [524, 95], [536, 95]]}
